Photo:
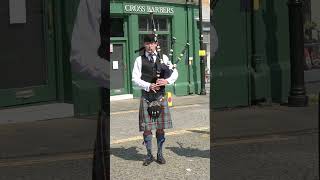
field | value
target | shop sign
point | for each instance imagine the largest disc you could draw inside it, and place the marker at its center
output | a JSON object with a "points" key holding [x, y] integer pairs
{"points": [[147, 9]]}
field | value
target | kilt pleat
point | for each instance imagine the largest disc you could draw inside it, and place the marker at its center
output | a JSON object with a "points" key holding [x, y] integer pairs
{"points": [[146, 123]]}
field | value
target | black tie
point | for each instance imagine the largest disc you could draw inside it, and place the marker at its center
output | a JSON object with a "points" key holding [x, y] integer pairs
{"points": [[151, 58]]}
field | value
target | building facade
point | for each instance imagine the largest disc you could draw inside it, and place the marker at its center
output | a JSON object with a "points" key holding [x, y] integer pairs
{"points": [[172, 19], [35, 50], [252, 63]]}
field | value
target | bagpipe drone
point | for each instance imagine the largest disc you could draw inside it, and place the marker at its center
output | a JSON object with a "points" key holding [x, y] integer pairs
{"points": [[162, 69]]}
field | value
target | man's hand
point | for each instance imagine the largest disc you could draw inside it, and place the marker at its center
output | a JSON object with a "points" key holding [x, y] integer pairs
{"points": [[161, 82], [154, 87]]}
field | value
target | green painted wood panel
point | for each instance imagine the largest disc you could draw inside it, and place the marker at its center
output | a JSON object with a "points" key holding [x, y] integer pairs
{"points": [[253, 60], [230, 77]]}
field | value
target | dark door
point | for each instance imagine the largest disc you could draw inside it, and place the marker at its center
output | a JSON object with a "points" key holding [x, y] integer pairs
{"points": [[118, 55], [27, 70], [119, 78]]}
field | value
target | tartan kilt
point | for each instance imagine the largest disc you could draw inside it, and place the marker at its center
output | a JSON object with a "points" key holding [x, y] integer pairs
{"points": [[145, 122]]}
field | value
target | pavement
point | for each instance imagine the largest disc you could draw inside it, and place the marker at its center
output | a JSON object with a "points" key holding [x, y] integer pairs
{"points": [[65, 134], [187, 156], [261, 119], [187, 146], [47, 141], [274, 157], [264, 120], [36, 150]]}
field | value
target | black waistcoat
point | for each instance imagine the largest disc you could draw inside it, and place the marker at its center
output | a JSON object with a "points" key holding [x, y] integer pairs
{"points": [[149, 72]]}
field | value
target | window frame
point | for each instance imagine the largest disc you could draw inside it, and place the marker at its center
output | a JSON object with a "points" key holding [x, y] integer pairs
{"points": [[167, 32]]}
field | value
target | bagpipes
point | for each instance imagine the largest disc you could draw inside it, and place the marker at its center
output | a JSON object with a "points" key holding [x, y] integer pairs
{"points": [[162, 69]]}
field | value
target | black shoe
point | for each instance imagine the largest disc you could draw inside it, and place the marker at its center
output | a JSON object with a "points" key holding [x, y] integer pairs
{"points": [[148, 160], [160, 159]]}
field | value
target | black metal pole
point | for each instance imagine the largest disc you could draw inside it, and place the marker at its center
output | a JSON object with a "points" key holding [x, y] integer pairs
{"points": [[101, 158], [202, 64], [297, 97]]}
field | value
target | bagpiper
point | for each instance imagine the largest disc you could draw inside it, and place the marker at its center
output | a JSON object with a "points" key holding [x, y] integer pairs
{"points": [[152, 71]]}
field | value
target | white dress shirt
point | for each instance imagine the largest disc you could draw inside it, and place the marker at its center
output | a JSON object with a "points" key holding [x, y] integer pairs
{"points": [[136, 72]]}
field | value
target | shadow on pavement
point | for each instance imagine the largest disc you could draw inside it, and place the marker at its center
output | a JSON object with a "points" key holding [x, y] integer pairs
{"points": [[189, 152], [127, 154], [198, 131]]}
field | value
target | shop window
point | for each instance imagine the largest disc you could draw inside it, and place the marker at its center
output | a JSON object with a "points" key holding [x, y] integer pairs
{"points": [[117, 27], [163, 41], [162, 25], [143, 24]]}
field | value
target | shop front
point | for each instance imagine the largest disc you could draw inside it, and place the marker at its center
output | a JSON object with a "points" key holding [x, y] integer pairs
{"points": [[35, 50], [131, 22]]}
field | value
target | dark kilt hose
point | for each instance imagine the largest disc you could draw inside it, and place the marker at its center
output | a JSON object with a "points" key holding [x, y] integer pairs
{"points": [[146, 123]]}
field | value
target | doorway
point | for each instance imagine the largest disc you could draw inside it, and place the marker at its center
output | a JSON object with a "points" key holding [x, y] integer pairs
{"points": [[27, 68]]}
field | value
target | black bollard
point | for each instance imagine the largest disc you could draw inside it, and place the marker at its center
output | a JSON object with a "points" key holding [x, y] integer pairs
{"points": [[297, 97], [202, 63]]}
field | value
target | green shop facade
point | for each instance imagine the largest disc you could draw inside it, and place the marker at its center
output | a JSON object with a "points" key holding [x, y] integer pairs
{"points": [[131, 21], [252, 63], [35, 48]]}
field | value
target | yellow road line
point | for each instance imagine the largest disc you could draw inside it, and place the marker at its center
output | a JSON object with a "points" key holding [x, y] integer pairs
{"points": [[79, 156], [249, 141], [123, 112], [228, 142], [183, 131], [63, 157], [88, 155], [174, 107]]}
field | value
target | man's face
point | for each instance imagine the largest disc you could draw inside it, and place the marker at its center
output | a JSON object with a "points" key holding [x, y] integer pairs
{"points": [[150, 46]]}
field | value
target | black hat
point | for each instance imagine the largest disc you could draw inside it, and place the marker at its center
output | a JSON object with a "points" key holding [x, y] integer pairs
{"points": [[149, 38]]}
